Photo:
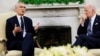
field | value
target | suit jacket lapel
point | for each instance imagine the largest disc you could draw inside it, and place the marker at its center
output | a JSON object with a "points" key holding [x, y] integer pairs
{"points": [[16, 21], [95, 22]]}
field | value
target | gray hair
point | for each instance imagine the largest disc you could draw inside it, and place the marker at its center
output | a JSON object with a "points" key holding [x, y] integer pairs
{"points": [[91, 7], [18, 4]]}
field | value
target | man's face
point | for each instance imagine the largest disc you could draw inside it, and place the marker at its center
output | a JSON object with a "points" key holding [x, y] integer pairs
{"points": [[88, 12], [20, 9]]}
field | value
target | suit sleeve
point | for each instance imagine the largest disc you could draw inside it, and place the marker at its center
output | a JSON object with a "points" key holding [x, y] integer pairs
{"points": [[9, 29], [81, 30], [32, 29]]}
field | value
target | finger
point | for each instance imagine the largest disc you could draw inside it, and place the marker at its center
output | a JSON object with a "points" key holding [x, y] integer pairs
{"points": [[15, 25], [19, 28], [38, 23], [84, 16]]}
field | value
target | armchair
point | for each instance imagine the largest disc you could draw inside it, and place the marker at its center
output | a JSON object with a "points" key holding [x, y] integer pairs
{"points": [[3, 39], [3, 50]]}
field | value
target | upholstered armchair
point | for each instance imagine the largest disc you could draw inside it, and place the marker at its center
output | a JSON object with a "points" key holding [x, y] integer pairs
{"points": [[3, 51], [3, 39]]}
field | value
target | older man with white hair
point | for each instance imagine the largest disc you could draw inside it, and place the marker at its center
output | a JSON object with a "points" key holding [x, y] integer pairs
{"points": [[89, 29]]}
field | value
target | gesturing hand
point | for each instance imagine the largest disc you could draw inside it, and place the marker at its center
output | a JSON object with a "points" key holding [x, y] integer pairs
{"points": [[17, 29], [37, 26]]}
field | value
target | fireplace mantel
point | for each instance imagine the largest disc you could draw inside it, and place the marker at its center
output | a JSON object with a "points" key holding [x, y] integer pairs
{"points": [[51, 6], [54, 11]]}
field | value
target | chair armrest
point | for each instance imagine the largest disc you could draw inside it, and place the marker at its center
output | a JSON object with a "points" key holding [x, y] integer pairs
{"points": [[3, 49], [2, 40]]}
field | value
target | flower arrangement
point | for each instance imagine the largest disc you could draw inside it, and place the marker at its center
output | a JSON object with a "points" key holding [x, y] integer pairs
{"points": [[65, 51]]}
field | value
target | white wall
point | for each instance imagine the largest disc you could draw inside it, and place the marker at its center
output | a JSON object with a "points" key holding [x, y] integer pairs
{"points": [[96, 3], [7, 5]]}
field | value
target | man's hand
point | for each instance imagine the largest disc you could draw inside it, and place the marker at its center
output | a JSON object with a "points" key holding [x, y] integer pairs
{"points": [[17, 29], [36, 26], [84, 17]]}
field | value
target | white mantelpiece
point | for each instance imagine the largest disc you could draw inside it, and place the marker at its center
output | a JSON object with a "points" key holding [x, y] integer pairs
{"points": [[57, 10], [56, 16], [51, 6]]}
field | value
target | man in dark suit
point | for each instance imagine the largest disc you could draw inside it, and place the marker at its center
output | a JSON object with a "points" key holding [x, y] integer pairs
{"points": [[20, 32], [89, 29]]}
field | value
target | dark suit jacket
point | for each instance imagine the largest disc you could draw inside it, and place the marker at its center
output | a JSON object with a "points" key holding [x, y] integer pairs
{"points": [[96, 27], [10, 26]]}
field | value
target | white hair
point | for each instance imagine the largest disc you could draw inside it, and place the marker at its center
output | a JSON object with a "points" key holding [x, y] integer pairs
{"points": [[90, 6], [18, 4]]}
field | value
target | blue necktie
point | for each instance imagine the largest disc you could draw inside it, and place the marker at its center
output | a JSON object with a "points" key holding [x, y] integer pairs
{"points": [[89, 31]]}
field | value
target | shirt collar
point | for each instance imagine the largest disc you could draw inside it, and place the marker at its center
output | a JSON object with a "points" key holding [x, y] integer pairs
{"points": [[19, 16], [93, 17], [19, 20]]}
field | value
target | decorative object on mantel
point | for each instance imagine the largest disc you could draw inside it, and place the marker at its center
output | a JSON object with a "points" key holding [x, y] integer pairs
{"points": [[65, 51], [52, 2]]}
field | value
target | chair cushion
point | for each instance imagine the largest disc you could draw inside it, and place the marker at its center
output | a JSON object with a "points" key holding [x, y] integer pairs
{"points": [[19, 53], [95, 52], [14, 53]]}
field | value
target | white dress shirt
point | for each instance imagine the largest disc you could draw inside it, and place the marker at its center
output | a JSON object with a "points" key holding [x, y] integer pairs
{"points": [[19, 20], [92, 21]]}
